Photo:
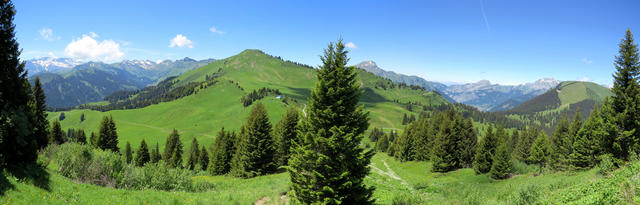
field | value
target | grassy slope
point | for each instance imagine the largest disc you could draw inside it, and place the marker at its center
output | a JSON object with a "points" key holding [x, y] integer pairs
{"points": [[400, 180], [203, 114]]}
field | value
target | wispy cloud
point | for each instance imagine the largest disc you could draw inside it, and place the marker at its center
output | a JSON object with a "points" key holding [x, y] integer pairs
{"points": [[351, 45], [584, 79], [586, 61], [47, 34], [181, 42], [215, 30], [484, 16]]}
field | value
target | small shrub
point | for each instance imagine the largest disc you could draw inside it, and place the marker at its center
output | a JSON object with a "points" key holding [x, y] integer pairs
{"points": [[526, 195], [406, 200], [606, 165], [520, 167]]}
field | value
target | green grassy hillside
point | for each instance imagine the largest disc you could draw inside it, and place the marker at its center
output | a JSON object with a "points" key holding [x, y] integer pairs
{"points": [[564, 96], [201, 115]]}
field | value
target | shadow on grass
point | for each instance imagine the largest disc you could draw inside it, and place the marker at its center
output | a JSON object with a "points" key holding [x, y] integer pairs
{"points": [[31, 173]]}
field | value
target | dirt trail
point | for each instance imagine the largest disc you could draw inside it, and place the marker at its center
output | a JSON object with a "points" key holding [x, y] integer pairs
{"points": [[390, 173]]}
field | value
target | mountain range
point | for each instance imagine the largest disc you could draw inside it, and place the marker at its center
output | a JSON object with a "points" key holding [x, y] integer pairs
{"points": [[482, 94], [67, 82]]}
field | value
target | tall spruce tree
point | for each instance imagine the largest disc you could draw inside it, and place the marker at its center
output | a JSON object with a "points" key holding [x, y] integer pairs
{"points": [[39, 108], [107, 138], [128, 156], [57, 135], [204, 159], [327, 164], [523, 147], [466, 145], [142, 155], [155, 154], [574, 128], [501, 166], [560, 146], [403, 144], [586, 147], [484, 156], [222, 153], [539, 151], [82, 137], [286, 130], [194, 154], [626, 99], [444, 145], [18, 141], [173, 150], [422, 138], [383, 143], [93, 140], [255, 151]]}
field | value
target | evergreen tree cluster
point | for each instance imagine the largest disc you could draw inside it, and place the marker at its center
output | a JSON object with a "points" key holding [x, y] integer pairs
{"points": [[255, 95]]}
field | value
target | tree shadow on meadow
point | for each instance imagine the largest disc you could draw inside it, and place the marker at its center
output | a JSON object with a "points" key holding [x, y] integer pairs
{"points": [[34, 174]]}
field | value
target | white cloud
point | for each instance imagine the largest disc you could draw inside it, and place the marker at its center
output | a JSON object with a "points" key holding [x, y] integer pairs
{"points": [[93, 35], [51, 55], [215, 30], [584, 79], [47, 34], [181, 41], [88, 48], [351, 45], [586, 61]]}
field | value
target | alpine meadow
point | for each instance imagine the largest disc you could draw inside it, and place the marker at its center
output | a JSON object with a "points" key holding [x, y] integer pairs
{"points": [[469, 102]]}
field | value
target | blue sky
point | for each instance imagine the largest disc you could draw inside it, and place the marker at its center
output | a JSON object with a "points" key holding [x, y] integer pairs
{"points": [[507, 42]]}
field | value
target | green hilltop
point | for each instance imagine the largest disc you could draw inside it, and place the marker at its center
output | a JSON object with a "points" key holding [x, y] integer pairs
{"points": [[568, 94], [203, 113]]}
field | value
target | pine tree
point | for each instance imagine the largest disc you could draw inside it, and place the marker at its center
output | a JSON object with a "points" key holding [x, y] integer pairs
{"points": [[560, 146], [204, 158], [173, 150], [501, 166], [255, 152], [222, 153], [56, 135], [444, 145], [82, 137], [375, 134], [575, 126], [539, 151], [39, 108], [523, 147], [626, 98], [286, 130], [327, 164], [107, 138], [155, 154], [383, 143], [18, 141], [82, 117], [466, 146], [484, 156], [128, 156], [586, 147], [194, 154], [404, 119], [142, 155], [403, 144], [419, 132]]}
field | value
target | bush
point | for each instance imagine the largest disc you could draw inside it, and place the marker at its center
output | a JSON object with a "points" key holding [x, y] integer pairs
{"points": [[606, 165], [107, 168], [406, 199], [520, 167], [526, 195]]}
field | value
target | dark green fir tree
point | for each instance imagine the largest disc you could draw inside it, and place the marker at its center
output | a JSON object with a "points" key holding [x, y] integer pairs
{"points": [[142, 155]]}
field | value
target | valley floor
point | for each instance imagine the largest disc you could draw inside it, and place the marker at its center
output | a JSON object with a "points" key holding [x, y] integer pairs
{"points": [[410, 182]]}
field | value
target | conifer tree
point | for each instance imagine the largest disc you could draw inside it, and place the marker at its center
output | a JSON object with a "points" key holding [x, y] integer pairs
{"points": [[39, 108], [204, 158], [539, 151], [466, 146], [575, 126], [523, 147], [81, 137], [286, 130], [142, 155], [18, 141], [155, 154], [626, 98], [82, 117], [194, 154], [405, 120], [383, 143], [93, 140], [483, 159], [514, 140], [586, 147], [255, 151], [403, 144], [443, 153], [173, 150], [501, 166], [57, 135], [560, 146], [327, 164], [107, 138], [222, 153], [128, 156], [422, 139]]}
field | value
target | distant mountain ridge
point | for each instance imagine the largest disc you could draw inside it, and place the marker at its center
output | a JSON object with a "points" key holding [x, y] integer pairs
{"points": [[567, 94], [482, 94], [92, 81], [49, 64]]}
